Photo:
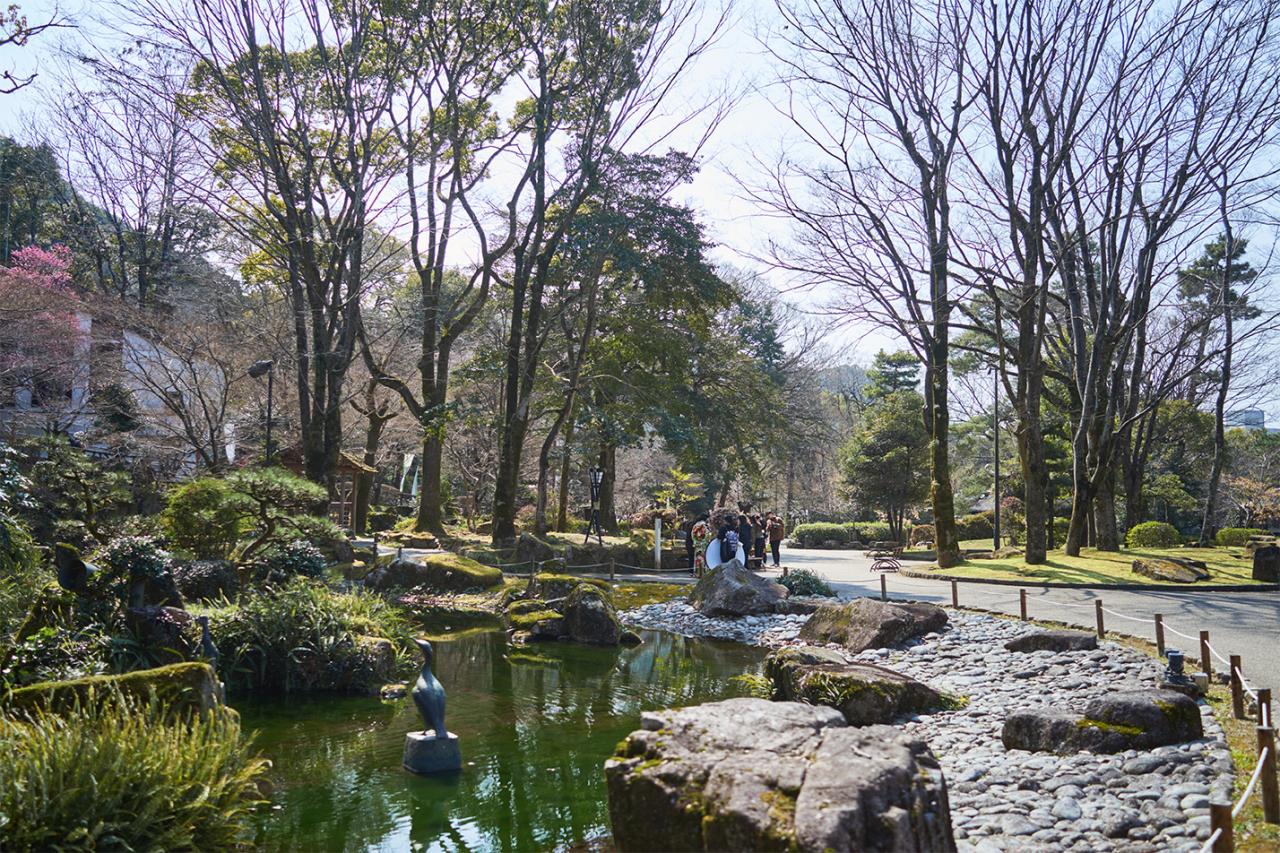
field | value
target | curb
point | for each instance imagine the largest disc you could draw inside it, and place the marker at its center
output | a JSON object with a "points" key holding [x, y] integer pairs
{"points": [[1121, 587]]}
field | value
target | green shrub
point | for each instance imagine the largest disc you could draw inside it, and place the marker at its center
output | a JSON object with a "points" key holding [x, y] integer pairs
{"points": [[979, 525], [874, 531], [1236, 537], [126, 775], [21, 574], [816, 533], [57, 653], [805, 582], [279, 563], [301, 636], [1153, 534], [1061, 527], [202, 517]]}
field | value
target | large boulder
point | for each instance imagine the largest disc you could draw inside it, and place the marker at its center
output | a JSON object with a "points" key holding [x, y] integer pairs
{"points": [[206, 580], [749, 774], [1115, 722], [447, 572], [1170, 570], [590, 618], [731, 590], [552, 586], [531, 548], [1053, 641], [1266, 564], [863, 693], [865, 623]]}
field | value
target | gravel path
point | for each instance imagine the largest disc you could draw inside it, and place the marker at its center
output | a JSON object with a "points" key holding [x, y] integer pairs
{"points": [[1015, 800]]}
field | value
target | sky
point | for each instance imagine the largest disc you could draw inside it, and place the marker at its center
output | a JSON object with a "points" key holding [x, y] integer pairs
{"points": [[754, 131]]}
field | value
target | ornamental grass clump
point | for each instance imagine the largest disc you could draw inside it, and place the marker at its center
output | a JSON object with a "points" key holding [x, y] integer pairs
{"points": [[125, 774], [298, 635], [805, 582]]}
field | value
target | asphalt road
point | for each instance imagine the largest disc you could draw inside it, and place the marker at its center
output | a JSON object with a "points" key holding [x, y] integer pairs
{"points": [[1243, 623]]}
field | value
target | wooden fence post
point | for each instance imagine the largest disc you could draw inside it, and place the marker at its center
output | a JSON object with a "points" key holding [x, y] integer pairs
{"points": [[1270, 789], [955, 594], [1022, 603], [1264, 706], [1237, 687], [1102, 630], [1160, 633], [884, 589], [1220, 819], [1206, 660], [613, 569]]}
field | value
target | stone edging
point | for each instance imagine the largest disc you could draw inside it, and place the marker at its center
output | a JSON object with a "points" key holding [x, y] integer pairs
{"points": [[1122, 587]]}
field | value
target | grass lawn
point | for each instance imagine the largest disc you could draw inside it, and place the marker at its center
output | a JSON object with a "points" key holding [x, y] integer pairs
{"points": [[1226, 565]]}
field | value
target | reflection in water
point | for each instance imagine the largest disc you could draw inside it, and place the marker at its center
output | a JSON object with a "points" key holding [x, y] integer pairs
{"points": [[536, 725]]}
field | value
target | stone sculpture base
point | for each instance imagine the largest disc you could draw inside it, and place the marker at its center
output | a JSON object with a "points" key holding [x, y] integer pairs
{"points": [[426, 753]]}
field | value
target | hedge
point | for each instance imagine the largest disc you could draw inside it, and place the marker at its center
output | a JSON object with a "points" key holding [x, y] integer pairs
{"points": [[1236, 537], [815, 534]]}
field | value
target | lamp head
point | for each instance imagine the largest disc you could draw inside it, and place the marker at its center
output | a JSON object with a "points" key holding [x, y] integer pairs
{"points": [[259, 369]]}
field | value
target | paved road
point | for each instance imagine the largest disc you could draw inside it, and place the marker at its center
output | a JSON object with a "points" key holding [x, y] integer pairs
{"points": [[1243, 623]]}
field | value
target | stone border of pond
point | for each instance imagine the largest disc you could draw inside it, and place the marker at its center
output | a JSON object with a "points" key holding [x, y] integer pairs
{"points": [[1135, 799]]}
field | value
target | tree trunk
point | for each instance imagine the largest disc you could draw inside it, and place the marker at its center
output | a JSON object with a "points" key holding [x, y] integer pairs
{"points": [[1209, 525], [608, 465], [566, 461], [938, 420], [1104, 510], [430, 516], [1035, 477]]}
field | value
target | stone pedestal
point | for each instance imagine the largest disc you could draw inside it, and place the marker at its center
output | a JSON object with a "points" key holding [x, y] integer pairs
{"points": [[426, 753]]}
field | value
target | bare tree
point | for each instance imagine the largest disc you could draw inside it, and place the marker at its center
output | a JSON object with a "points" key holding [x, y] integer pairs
{"points": [[880, 92]]}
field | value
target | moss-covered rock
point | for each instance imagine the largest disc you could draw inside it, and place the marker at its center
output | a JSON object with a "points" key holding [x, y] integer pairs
{"points": [[1115, 722], [1171, 570], [865, 623], [863, 693], [445, 571], [550, 585], [181, 686], [748, 774], [589, 617]]}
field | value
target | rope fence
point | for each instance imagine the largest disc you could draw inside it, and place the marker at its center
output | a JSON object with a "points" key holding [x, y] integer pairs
{"points": [[1263, 780]]}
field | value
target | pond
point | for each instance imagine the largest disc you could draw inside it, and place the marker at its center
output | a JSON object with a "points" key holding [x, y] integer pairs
{"points": [[536, 725]]}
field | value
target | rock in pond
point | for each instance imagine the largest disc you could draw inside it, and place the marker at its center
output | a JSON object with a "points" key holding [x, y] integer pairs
{"points": [[448, 572], [862, 692], [749, 774], [1131, 719], [1053, 641], [584, 614], [589, 617], [869, 624], [1177, 571], [731, 590]]}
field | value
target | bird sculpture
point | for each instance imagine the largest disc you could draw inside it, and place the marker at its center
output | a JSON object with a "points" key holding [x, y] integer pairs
{"points": [[73, 572], [208, 648], [428, 694]]}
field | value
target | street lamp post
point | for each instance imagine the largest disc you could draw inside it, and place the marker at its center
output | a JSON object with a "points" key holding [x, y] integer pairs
{"points": [[995, 424], [597, 478], [256, 370]]}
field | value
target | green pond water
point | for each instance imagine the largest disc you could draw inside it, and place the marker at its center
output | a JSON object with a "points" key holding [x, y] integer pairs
{"points": [[536, 725]]}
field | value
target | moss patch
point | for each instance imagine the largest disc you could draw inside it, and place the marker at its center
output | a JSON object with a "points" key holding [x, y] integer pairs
{"points": [[629, 596], [527, 621], [1118, 728], [181, 686], [465, 569]]}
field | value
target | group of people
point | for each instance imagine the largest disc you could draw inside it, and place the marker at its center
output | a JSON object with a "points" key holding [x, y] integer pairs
{"points": [[714, 539]]}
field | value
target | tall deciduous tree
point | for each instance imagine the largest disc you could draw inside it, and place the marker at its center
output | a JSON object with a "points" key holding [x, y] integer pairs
{"points": [[880, 91]]}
